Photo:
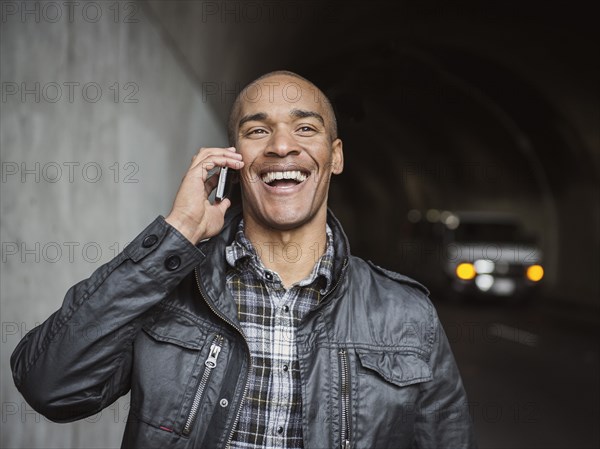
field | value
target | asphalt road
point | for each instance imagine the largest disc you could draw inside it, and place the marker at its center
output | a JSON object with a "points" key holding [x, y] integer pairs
{"points": [[531, 373]]}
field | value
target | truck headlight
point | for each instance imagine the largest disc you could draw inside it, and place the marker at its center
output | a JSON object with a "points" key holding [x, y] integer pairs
{"points": [[535, 273], [465, 271]]}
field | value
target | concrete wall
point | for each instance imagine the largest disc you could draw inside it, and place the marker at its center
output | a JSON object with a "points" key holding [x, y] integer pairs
{"points": [[82, 171]]}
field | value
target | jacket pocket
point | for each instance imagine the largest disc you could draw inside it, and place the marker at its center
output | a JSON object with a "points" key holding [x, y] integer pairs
{"points": [[398, 368], [389, 384], [169, 362]]}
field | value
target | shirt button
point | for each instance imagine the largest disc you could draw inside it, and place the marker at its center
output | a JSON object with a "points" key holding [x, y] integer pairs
{"points": [[149, 241], [280, 430], [172, 263], [223, 402], [269, 276], [286, 309], [285, 367]]}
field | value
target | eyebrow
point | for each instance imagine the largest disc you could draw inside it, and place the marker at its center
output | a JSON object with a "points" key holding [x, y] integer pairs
{"points": [[252, 117], [301, 113], [297, 113]]}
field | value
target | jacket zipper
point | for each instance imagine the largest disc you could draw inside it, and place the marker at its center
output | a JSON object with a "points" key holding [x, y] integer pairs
{"points": [[210, 364], [239, 410], [345, 388], [345, 432]]}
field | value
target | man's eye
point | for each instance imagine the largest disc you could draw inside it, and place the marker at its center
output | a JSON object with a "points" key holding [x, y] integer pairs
{"points": [[306, 129], [256, 131]]}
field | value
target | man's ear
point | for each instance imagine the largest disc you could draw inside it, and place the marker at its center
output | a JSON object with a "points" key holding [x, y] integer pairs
{"points": [[337, 157]]}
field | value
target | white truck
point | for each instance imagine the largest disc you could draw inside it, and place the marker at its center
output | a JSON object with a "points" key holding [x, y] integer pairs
{"points": [[489, 254]]}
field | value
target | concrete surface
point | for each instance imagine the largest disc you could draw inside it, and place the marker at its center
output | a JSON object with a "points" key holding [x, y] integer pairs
{"points": [[84, 171]]}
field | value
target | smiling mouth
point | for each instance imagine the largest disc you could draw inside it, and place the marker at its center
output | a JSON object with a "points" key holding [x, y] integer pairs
{"points": [[287, 178]]}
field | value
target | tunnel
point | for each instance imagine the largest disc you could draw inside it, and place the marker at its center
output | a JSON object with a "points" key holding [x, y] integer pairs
{"points": [[445, 110], [439, 108]]}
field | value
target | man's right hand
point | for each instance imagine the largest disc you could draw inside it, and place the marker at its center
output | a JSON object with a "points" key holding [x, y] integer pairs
{"points": [[192, 214]]}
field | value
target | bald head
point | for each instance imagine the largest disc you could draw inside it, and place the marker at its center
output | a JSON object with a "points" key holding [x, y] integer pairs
{"points": [[255, 89]]}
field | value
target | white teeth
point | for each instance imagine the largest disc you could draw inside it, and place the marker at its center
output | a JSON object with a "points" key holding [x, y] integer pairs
{"points": [[294, 175]]}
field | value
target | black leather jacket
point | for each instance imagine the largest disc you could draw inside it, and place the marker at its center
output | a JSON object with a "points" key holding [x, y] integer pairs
{"points": [[376, 367]]}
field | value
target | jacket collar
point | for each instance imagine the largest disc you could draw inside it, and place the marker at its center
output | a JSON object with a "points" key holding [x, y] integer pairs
{"points": [[213, 266]]}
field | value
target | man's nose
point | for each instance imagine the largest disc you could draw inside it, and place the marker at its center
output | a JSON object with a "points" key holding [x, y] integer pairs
{"points": [[282, 144]]}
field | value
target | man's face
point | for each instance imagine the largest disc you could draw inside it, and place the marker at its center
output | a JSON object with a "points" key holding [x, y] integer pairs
{"points": [[284, 137]]}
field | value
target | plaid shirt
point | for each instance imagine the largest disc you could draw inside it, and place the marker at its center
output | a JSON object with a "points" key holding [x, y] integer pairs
{"points": [[271, 415]]}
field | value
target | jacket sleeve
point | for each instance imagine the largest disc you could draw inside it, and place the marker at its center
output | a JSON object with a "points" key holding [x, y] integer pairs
{"points": [[443, 419], [79, 360]]}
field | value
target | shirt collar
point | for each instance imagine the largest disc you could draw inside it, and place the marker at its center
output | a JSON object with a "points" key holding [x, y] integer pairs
{"points": [[241, 251]]}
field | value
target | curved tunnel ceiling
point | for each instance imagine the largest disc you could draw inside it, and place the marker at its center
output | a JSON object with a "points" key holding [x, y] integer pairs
{"points": [[418, 136], [476, 107]]}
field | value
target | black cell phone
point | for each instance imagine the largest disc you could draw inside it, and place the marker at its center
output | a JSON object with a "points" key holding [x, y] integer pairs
{"points": [[222, 184]]}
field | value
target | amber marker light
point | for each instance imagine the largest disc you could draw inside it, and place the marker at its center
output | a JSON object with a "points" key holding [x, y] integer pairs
{"points": [[465, 271], [535, 273]]}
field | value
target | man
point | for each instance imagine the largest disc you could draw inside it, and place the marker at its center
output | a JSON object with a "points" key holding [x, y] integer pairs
{"points": [[253, 329]]}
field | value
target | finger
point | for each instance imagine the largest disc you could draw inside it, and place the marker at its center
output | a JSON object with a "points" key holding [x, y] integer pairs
{"points": [[223, 205], [204, 154], [203, 169], [218, 160], [205, 149]]}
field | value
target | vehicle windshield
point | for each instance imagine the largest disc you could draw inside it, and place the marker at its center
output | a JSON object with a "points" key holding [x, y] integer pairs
{"points": [[490, 232]]}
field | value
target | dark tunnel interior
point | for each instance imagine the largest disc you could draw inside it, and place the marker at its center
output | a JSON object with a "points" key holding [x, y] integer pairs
{"points": [[462, 107]]}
